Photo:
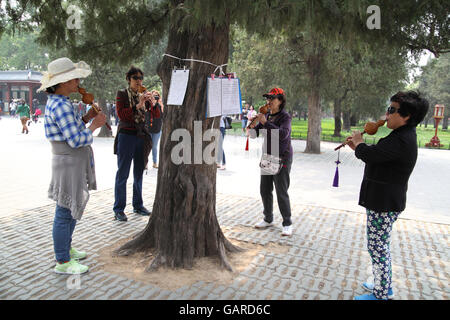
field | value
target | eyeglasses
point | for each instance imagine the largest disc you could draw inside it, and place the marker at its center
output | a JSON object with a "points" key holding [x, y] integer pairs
{"points": [[271, 97], [391, 110], [137, 77]]}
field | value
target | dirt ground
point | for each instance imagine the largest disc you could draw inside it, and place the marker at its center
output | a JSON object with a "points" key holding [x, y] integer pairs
{"points": [[205, 269]]}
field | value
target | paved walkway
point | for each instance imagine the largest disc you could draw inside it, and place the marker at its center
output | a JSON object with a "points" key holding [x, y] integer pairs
{"points": [[324, 259]]}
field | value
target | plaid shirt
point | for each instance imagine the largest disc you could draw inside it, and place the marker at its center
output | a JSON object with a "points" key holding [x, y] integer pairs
{"points": [[63, 123]]}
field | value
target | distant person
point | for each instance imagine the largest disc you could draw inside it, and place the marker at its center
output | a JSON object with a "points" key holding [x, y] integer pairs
{"points": [[244, 117], [12, 108], [251, 113], [23, 110], [36, 115], [156, 126], [114, 113], [221, 161], [389, 165]]}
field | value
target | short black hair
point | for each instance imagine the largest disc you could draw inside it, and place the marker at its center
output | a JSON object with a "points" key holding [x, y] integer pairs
{"points": [[52, 89], [133, 70], [412, 105]]}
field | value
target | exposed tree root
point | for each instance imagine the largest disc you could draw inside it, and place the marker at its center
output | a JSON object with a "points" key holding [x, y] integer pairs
{"points": [[137, 244], [155, 264]]}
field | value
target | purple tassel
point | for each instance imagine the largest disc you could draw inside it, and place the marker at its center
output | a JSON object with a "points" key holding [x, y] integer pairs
{"points": [[336, 175]]}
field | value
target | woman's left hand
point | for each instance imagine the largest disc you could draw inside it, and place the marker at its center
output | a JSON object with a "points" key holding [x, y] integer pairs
{"points": [[356, 138], [261, 118]]}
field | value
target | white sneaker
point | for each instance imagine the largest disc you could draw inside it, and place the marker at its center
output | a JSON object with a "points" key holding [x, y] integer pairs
{"points": [[287, 231], [263, 224]]}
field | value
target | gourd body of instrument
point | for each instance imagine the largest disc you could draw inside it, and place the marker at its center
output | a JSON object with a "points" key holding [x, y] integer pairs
{"points": [[88, 98], [142, 89], [369, 128]]}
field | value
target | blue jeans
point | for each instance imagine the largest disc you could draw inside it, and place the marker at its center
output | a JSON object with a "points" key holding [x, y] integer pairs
{"points": [[155, 140], [63, 226], [129, 148]]}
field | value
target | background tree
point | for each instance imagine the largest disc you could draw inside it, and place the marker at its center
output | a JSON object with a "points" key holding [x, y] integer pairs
{"points": [[435, 83], [21, 52]]}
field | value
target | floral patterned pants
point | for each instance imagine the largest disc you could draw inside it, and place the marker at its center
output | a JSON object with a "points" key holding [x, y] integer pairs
{"points": [[379, 227]]}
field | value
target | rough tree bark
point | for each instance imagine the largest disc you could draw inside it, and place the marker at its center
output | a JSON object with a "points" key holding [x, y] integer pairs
{"points": [[104, 131], [314, 109], [337, 118], [346, 119], [183, 224], [337, 113]]}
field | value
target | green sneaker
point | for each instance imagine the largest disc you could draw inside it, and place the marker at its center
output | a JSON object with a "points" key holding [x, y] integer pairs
{"points": [[71, 267], [78, 255]]}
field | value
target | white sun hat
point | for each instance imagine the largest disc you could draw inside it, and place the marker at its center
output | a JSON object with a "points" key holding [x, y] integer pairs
{"points": [[62, 70]]}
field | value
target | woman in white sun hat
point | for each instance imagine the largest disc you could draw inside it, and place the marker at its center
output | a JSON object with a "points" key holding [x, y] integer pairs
{"points": [[73, 171]]}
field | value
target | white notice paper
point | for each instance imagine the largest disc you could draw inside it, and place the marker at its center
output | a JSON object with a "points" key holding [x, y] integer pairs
{"points": [[214, 97], [231, 96], [177, 89], [223, 97]]}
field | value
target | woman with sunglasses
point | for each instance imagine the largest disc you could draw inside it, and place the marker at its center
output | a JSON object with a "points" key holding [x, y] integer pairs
{"points": [[133, 142], [389, 165], [276, 123]]}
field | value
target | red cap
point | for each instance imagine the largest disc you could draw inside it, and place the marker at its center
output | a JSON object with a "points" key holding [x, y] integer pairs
{"points": [[275, 92]]}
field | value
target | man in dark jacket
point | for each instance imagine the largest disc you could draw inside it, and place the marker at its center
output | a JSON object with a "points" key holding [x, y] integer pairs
{"points": [[389, 165]]}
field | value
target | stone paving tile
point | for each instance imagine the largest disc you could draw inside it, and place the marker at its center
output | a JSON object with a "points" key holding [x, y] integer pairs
{"points": [[325, 258]]}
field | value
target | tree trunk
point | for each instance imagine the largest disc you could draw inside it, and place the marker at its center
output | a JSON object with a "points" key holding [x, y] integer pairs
{"points": [[183, 224], [353, 120], [314, 108], [337, 118], [426, 121], [346, 118], [104, 131], [445, 121]]}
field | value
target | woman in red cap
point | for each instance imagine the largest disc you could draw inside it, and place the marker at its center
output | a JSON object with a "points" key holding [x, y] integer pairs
{"points": [[277, 158]]}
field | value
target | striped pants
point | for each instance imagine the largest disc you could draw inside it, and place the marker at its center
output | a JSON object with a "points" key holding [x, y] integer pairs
{"points": [[379, 227]]}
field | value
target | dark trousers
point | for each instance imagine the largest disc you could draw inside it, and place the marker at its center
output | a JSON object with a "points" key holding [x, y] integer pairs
{"points": [[129, 148], [281, 182]]}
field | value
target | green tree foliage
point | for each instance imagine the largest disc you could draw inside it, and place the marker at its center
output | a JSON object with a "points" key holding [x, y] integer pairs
{"points": [[434, 82], [21, 52]]}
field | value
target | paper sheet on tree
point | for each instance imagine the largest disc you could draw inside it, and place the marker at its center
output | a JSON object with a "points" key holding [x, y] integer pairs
{"points": [[177, 89], [223, 97]]}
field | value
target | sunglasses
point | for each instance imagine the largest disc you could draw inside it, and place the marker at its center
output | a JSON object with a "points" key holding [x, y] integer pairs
{"points": [[137, 77], [391, 110], [271, 97]]}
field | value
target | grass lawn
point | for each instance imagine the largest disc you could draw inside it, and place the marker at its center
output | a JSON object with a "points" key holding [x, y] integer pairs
{"points": [[300, 131]]}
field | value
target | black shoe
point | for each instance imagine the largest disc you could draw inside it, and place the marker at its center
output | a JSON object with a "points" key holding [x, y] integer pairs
{"points": [[120, 216], [142, 211]]}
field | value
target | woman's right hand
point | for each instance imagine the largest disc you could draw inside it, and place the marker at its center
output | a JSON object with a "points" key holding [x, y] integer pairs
{"points": [[146, 96]]}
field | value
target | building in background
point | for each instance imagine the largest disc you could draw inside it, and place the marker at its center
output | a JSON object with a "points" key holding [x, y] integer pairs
{"points": [[21, 84]]}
